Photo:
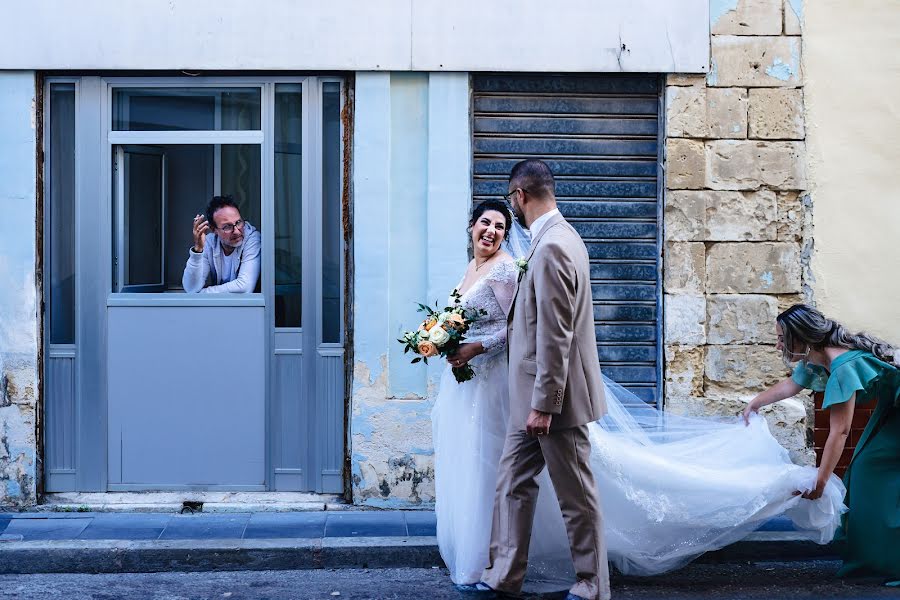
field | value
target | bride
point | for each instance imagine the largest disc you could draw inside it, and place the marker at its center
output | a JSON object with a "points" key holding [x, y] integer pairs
{"points": [[671, 487]]}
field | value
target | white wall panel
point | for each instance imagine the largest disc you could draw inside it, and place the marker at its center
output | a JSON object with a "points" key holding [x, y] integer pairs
{"points": [[658, 36], [358, 35]]}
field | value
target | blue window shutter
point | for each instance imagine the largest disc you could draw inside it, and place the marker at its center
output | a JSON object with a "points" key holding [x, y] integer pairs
{"points": [[600, 134]]}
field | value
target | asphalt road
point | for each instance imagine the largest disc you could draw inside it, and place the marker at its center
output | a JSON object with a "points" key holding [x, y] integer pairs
{"points": [[746, 581]]}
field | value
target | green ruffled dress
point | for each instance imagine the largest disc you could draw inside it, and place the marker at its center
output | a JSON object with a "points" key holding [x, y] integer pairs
{"points": [[870, 531]]}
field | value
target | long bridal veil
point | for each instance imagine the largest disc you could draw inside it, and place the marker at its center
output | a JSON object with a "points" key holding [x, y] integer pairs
{"points": [[673, 487]]}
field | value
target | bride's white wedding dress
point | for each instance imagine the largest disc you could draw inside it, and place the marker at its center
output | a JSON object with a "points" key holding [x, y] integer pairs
{"points": [[670, 487]]}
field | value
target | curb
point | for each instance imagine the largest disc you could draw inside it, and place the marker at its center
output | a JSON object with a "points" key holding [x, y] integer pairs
{"points": [[122, 556], [117, 556]]}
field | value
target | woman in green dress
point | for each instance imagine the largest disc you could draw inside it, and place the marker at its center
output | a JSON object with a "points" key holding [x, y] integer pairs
{"points": [[851, 369]]}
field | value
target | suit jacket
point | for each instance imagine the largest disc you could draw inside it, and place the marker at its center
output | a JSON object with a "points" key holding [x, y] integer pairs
{"points": [[552, 344]]}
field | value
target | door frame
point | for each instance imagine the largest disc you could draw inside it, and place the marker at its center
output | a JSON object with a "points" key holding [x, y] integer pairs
{"points": [[95, 141]]}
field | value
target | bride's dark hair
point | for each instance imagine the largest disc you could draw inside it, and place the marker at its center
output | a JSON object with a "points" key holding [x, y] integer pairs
{"points": [[802, 324], [487, 205]]}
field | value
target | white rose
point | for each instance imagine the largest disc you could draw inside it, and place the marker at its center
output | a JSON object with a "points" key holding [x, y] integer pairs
{"points": [[439, 335], [423, 335]]}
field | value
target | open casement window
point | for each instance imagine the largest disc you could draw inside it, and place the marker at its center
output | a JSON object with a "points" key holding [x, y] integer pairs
{"points": [[173, 149], [140, 192], [158, 189]]}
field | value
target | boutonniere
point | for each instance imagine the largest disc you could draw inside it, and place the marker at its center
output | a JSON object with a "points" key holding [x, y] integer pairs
{"points": [[521, 265]]}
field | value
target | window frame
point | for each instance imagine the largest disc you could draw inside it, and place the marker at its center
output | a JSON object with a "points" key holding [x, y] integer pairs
{"points": [[312, 188], [115, 140], [121, 210], [63, 350]]}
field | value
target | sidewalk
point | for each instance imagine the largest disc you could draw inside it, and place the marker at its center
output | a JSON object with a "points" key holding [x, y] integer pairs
{"points": [[73, 542]]}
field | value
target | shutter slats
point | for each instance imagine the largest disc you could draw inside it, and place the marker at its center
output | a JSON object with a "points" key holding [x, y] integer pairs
{"points": [[575, 167], [575, 125], [541, 146], [567, 106], [567, 188], [599, 135], [565, 84]]}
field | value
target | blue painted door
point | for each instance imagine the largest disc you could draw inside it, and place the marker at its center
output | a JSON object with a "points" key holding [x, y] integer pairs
{"points": [[601, 137]]}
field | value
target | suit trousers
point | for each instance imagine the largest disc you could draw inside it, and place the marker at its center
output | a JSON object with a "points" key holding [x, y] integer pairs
{"points": [[566, 454]]}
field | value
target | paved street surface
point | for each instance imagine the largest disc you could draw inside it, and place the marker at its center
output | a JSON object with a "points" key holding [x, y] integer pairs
{"points": [[761, 580]]}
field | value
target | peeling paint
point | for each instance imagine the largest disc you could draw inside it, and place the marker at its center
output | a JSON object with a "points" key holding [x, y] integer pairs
{"points": [[427, 116], [422, 451], [713, 77], [13, 489], [797, 7], [784, 71], [808, 249], [780, 70], [795, 55], [767, 278], [392, 462], [719, 8], [19, 302]]}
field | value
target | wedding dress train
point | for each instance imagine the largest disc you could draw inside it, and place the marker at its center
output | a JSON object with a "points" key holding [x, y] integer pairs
{"points": [[671, 487]]}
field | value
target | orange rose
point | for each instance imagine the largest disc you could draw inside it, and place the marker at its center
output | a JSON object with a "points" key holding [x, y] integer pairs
{"points": [[456, 321], [429, 323], [427, 349]]}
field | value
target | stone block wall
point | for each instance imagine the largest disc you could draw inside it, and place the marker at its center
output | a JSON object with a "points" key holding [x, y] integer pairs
{"points": [[737, 219]]}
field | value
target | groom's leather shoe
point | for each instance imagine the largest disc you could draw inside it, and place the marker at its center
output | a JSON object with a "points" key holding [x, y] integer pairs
{"points": [[476, 590], [483, 590]]}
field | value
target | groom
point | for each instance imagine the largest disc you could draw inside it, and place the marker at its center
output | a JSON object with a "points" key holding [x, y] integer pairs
{"points": [[555, 389]]}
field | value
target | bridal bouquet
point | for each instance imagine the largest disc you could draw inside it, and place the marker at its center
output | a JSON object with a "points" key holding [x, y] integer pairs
{"points": [[441, 334]]}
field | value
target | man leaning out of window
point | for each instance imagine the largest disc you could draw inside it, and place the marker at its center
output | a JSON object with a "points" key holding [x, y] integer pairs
{"points": [[225, 251]]}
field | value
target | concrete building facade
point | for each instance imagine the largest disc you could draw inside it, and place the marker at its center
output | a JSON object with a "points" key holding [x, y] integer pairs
{"points": [[752, 139]]}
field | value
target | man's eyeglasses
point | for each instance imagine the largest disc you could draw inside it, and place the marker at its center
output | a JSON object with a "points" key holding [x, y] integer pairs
{"points": [[508, 196], [228, 227]]}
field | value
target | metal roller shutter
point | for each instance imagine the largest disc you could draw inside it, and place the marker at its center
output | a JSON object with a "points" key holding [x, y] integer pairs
{"points": [[600, 136]]}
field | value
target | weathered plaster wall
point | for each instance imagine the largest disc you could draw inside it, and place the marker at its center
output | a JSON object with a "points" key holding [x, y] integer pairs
{"points": [[411, 179], [852, 66], [18, 302], [737, 217]]}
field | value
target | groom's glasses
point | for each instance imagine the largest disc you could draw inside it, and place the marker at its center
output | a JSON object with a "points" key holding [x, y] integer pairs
{"points": [[508, 196]]}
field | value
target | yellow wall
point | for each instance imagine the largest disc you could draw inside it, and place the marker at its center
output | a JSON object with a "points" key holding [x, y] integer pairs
{"points": [[852, 96]]}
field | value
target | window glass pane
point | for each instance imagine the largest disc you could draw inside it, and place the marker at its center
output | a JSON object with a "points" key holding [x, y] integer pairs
{"points": [[159, 192], [288, 205], [331, 212], [186, 109], [144, 206], [61, 226]]}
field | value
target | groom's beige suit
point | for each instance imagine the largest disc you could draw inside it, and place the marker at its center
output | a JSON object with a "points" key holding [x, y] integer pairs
{"points": [[553, 367]]}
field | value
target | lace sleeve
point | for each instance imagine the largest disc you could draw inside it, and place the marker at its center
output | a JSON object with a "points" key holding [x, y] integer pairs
{"points": [[502, 280]]}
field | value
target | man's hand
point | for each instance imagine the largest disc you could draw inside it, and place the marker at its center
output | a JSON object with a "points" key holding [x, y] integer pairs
{"points": [[538, 423], [201, 228]]}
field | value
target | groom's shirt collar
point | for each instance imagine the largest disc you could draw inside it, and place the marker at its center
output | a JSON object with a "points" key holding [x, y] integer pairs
{"points": [[539, 223]]}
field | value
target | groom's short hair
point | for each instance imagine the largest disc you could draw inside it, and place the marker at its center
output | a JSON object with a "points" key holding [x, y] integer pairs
{"points": [[533, 176]]}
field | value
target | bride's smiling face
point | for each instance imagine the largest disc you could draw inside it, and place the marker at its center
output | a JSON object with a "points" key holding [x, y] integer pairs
{"points": [[488, 232]]}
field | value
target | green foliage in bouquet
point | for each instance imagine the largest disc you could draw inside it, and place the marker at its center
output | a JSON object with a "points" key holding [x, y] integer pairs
{"points": [[441, 334]]}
